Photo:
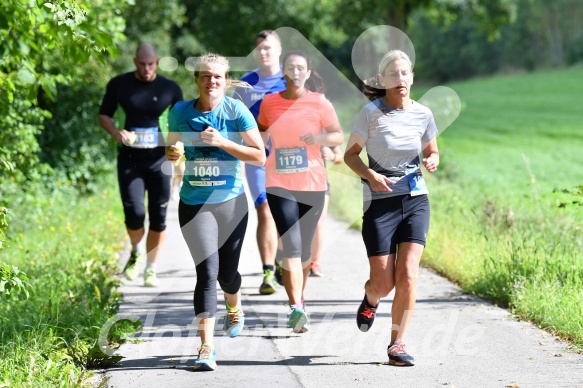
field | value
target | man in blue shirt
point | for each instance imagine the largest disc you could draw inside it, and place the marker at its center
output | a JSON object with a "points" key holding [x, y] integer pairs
{"points": [[266, 79]]}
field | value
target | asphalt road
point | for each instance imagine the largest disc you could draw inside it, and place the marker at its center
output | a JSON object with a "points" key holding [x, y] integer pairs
{"points": [[457, 340]]}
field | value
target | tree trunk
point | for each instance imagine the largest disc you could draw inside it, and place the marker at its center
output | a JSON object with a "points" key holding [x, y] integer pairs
{"points": [[397, 16]]}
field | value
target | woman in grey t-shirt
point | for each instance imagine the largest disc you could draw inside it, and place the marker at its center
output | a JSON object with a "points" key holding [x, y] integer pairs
{"points": [[395, 130]]}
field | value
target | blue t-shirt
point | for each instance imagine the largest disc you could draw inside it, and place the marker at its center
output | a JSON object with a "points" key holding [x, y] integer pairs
{"points": [[262, 86], [212, 175]]}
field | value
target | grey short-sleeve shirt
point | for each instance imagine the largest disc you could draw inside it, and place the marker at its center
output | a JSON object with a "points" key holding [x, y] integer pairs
{"points": [[393, 141]]}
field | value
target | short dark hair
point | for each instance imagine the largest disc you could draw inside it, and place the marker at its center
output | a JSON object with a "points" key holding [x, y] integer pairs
{"points": [[265, 33]]}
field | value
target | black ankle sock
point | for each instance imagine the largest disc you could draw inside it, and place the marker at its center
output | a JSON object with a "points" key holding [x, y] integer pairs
{"points": [[269, 267]]}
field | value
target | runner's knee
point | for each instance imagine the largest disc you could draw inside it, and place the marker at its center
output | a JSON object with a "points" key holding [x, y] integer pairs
{"points": [[230, 284], [135, 214]]}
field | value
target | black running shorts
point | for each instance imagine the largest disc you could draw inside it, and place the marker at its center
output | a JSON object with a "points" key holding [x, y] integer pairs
{"points": [[389, 221]]}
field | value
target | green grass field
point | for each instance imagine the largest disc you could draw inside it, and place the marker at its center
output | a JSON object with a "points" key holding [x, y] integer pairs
{"points": [[519, 136], [507, 204]]}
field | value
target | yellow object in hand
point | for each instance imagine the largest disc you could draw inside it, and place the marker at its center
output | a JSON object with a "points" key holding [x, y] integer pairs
{"points": [[179, 149], [180, 160], [132, 137]]}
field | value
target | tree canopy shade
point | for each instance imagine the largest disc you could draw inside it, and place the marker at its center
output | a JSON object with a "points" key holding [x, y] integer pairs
{"points": [[332, 26], [356, 16], [544, 35]]}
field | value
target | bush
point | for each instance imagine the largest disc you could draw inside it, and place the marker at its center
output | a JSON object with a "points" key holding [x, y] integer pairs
{"points": [[51, 337]]}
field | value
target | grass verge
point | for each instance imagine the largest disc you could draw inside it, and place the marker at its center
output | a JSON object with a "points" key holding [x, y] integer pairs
{"points": [[67, 245]]}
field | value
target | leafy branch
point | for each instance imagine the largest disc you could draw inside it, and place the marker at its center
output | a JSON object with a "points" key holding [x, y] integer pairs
{"points": [[12, 280]]}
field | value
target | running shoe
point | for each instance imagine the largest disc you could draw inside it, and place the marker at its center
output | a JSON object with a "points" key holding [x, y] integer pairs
{"points": [[233, 323], [206, 360], [298, 320], [132, 267], [150, 278], [365, 315], [315, 269], [398, 356], [278, 273], [269, 285]]}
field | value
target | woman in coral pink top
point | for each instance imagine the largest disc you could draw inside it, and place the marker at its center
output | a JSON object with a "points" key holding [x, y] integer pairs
{"points": [[298, 121]]}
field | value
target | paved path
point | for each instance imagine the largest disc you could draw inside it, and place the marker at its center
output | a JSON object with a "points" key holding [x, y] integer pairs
{"points": [[457, 340]]}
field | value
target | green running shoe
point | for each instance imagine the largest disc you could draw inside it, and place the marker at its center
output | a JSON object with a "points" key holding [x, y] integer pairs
{"points": [[278, 273], [150, 278], [269, 285], [132, 267]]}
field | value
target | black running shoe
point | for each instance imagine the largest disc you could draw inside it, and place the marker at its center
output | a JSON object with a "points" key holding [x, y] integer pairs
{"points": [[398, 356], [365, 315], [278, 273]]}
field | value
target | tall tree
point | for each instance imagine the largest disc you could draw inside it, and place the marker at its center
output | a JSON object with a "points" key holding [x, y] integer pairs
{"points": [[355, 16], [41, 46]]}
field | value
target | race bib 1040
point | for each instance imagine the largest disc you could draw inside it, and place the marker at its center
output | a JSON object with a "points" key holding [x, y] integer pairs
{"points": [[204, 172]]}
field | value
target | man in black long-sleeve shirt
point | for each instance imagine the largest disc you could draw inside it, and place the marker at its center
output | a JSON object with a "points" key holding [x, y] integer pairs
{"points": [[143, 95]]}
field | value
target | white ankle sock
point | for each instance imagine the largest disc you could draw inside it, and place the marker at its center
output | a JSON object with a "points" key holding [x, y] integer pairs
{"points": [[137, 249]]}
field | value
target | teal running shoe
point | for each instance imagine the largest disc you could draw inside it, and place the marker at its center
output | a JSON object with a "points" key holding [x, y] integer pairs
{"points": [[234, 321], [206, 360], [298, 320]]}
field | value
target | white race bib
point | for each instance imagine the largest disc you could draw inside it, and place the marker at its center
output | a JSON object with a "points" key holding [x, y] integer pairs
{"points": [[145, 137]]}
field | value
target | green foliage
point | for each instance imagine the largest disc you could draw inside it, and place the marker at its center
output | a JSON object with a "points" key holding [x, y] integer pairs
{"points": [[575, 51], [12, 281], [41, 45], [22, 120], [488, 15], [439, 60], [241, 21], [556, 25], [70, 254], [542, 34], [3, 225], [73, 143], [158, 22], [146, 19]]}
